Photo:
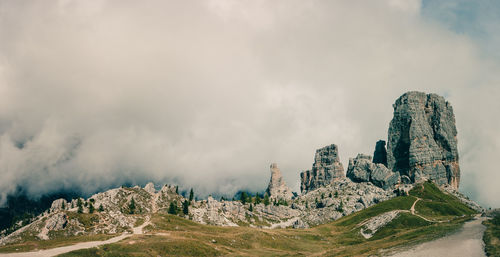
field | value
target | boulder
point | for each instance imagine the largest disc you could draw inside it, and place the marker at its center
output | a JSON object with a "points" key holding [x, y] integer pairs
{"points": [[277, 189], [326, 169], [384, 177], [423, 139], [362, 169]]}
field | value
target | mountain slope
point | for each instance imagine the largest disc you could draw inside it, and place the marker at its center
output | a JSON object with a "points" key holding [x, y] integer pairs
{"points": [[173, 235]]}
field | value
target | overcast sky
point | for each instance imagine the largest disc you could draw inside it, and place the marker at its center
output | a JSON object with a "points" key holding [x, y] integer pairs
{"points": [[206, 94]]}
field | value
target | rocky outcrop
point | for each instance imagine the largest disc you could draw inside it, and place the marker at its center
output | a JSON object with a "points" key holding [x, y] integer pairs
{"points": [[326, 169], [277, 189], [380, 154], [150, 188], [56, 222], [362, 169], [423, 139], [59, 204]]}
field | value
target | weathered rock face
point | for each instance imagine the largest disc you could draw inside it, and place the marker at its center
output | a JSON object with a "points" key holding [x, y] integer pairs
{"points": [[150, 188], [57, 222], [277, 189], [423, 139], [326, 169], [362, 169], [380, 154]]}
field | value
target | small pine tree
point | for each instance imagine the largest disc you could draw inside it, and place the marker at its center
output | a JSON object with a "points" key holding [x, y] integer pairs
{"points": [[322, 195], [251, 207], [257, 199], [336, 194], [63, 205], [131, 206], [79, 205], [185, 207], [101, 209], [330, 195], [191, 195], [243, 197], [72, 206], [177, 189], [173, 208], [266, 200], [307, 205], [222, 198], [340, 208], [91, 208]]}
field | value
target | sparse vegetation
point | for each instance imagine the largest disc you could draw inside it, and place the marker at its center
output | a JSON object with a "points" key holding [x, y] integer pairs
{"points": [[79, 205], [185, 207], [131, 206], [491, 236], [191, 195], [172, 209], [266, 200]]}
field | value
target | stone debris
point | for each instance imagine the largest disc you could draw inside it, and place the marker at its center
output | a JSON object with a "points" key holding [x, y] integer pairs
{"points": [[374, 224]]}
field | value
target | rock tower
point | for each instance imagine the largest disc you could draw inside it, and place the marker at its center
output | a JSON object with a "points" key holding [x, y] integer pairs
{"points": [[423, 139], [277, 189], [326, 168]]}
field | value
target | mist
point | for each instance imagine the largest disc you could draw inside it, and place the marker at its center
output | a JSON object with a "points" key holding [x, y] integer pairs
{"points": [[206, 94]]}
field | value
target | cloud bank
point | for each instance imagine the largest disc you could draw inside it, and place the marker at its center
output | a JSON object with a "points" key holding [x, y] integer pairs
{"points": [[206, 94]]}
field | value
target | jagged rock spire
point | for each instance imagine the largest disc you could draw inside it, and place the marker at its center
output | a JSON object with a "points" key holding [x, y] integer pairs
{"points": [[277, 188]]}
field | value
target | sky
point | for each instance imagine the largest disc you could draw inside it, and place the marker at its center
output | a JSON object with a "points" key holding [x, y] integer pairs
{"points": [[206, 94]]}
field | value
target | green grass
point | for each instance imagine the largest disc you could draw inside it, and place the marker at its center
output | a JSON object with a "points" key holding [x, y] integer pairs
{"points": [[438, 205], [491, 236], [398, 203], [180, 237]]}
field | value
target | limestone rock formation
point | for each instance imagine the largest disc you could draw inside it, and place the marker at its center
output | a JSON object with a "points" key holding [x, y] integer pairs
{"points": [[380, 154], [326, 169], [277, 189], [59, 204], [150, 188], [362, 169], [423, 139]]}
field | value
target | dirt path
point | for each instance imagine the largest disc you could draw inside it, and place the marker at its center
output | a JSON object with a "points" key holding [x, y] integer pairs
{"points": [[84, 245], [466, 242], [412, 209]]}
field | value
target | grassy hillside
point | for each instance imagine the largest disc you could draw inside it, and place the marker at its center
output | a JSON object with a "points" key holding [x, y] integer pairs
{"points": [[172, 235], [492, 236]]}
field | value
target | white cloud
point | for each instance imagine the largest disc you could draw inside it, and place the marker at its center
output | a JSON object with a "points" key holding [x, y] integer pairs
{"points": [[207, 94]]}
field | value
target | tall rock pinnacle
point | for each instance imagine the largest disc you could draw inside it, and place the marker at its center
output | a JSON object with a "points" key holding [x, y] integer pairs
{"points": [[423, 139], [277, 189], [326, 168]]}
